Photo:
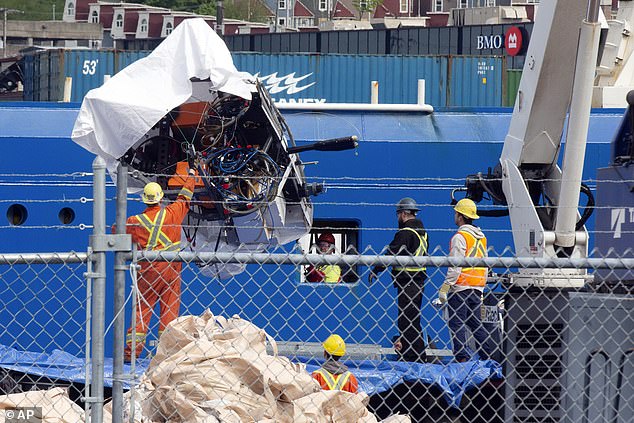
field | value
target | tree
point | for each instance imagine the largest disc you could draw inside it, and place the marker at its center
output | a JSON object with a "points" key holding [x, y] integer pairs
{"points": [[246, 10], [366, 6]]}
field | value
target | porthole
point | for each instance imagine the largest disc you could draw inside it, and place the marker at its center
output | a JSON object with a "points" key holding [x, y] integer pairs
{"points": [[66, 216], [17, 214]]}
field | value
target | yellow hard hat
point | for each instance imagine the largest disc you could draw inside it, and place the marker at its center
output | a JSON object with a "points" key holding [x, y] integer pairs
{"points": [[152, 193], [334, 345], [467, 208]]}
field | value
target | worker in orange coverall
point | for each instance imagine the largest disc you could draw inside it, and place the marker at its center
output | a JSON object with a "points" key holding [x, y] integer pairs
{"points": [[334, 375], [158, 228]]}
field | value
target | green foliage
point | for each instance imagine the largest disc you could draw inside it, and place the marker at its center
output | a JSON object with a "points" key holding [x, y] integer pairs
{"points": [[42, 10], [366, 5], [34, 10], [246, 10]]}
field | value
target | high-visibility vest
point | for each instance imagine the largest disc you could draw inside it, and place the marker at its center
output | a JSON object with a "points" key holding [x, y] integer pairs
{"points": [[476, 247], [157, 239], [334, 382], [420, 251], [332, 273]]}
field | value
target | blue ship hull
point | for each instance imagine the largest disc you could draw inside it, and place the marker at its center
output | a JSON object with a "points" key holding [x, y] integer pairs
{"points": [[399, 154]]}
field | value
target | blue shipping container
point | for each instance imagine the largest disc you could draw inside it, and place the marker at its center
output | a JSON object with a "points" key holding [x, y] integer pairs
{"points": [[46, 72], [305, 78], [302, 78], [475, 81]]}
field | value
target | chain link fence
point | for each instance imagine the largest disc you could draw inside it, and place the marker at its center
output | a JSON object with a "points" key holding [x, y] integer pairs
{"points": [[246, 345]]}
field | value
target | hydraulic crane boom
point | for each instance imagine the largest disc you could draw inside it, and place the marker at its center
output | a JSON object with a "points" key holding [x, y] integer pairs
{"points": [[542, 199]]}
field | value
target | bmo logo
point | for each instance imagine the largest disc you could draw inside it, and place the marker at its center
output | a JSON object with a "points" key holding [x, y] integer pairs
{"points": [[513, 41], [488, 42]]}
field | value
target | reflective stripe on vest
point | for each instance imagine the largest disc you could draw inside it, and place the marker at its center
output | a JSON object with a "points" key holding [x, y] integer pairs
{"points": [[420, 251], [334, 382], [476, 248], [139, 337], [157, 236]]}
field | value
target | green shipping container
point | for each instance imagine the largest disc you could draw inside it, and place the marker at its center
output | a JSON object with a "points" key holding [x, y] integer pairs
{"points": [[513, 77]]}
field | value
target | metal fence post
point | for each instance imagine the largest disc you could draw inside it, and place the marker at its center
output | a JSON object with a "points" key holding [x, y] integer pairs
{"points": [[98, 301], [119, 298]]}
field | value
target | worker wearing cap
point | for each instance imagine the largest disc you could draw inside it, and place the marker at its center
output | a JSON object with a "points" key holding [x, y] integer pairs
{"points": [[159, 229], [410, 239], [463, 286], [334, 375], [329, 273]]}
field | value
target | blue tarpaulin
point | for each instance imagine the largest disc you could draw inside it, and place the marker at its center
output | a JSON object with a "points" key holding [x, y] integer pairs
{"points": [[375, 376]]}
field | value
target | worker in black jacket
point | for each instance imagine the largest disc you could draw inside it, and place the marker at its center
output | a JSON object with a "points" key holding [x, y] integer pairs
{"points": [[410, 239]]}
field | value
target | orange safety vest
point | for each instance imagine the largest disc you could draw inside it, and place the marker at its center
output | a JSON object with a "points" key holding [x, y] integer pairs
{"points": [[473, 276], [336, 382], [157, 239]]}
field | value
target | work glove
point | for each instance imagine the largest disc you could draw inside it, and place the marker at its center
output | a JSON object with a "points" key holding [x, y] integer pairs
{"points": [[442, 293]]}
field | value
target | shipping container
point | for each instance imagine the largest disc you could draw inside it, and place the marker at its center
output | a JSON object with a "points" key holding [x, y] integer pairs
{"points": [[125, 58], [458, 81], [346, 78], [487, 40], [475, 81], [47, 70], [513, 77]]}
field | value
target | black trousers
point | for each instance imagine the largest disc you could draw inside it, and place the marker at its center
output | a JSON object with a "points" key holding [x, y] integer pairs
{"points": [[410, 299]]}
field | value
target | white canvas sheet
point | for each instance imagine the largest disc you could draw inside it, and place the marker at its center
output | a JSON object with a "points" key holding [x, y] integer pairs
{"points": [[116, 115]]}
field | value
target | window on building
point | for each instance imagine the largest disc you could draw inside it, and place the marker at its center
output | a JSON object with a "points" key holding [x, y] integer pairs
{"points": [[71, 9], [281, 4], [281, 21], [403, 6], [118, 23], [462, 4], [143, 25], [323, 5], [363, 4], [168, 28], [94, 17], [346, 235], [490, 3], [438, 5]]}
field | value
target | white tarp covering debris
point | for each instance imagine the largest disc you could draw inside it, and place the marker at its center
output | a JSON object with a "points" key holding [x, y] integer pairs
{"points": [[116, 115]]}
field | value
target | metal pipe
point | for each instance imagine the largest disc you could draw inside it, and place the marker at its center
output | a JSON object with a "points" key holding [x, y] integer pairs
{"points": [[425, 108], [48, 258], [592, 14], [4, 32], [403, 261], [99, 293], [374, 92], [421, 92], [120, 269], [577, 133], [68, 88], [88, 339]]}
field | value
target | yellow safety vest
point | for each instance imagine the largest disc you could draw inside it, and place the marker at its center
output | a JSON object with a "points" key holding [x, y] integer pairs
{"points": [[473, 276], [420, 251], [157, 236], [334, 382], [332, 273]]}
